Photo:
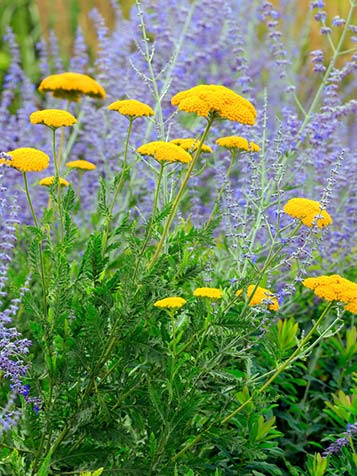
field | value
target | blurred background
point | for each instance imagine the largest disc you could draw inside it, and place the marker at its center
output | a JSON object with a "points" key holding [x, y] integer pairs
{"points": [[35, 19]]}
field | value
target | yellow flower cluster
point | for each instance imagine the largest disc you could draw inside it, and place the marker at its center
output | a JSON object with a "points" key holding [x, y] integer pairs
{"points": [[131, 108], [26, 159], [307, 210], [53, 118], [191, 145], [207, 99], [260, 296], [81, 165], [71, 86], [170, 302], [47, 181], [236, 142], [334, 288], [212, 293], [165, 152]]}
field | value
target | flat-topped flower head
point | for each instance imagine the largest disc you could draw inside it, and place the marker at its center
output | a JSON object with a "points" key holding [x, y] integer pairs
{"points": [[260, 296], [72, 86], [207, 99], [165, 152], [236, 142], [48, 181], [131, 108], [84, 165], [53, 118], [170, 302], [191, 144], [308, 211], [27, 159], [211, 293], [334, 288]]}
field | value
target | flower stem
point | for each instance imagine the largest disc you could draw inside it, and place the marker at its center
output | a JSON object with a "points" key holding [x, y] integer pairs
{"points": [[56, 161], [180, 192]]}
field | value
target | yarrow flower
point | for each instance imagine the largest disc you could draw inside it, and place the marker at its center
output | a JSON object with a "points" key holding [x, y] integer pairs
{"points": [[47, 181], [191, 145], [212, 293], [260, 296], [308, 211], [71, 86], [236, 142], [207, 99], [131, 108], [26, 159], [334, 288], [53, 118], [170, 302], [81, 165], [165, 152]]}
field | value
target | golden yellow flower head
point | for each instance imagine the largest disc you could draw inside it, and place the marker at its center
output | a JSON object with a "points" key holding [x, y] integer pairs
{"points": [[131, 108], [307, 210], [334, 288], [236, 142], [207, 99], [212, 293], [53, 118], [165, 152], [170, 302], [47, 181], [81, 165], [191, 145], [26, 159], [72, 86], [260, 296]]}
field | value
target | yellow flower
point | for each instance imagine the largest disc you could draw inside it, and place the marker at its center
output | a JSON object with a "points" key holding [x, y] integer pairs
{"points": [[170, 302], [81, 165], [131, 108], [191, 145], [47, 181], [71, 86], [334, 288], [307, 210], [165, 151], [211, 98], [53, 118], [236, 142], [212, 293], [260, 296], [26, 159]]}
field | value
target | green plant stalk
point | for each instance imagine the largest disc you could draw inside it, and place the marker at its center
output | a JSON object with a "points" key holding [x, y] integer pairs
{"points": [[151, 229], [180, 192], [118, 186], [59, 204], [277, 372], [222, 188]]}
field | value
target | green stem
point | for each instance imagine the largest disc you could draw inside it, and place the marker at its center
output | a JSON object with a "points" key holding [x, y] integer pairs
{"points": [[222, 188], [180, 192], [59, 204]]}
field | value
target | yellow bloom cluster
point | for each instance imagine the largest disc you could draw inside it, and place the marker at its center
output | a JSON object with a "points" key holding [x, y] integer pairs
{"points": [[131, 108], [165, 152], [334, 288], [212, 293], [81, 165], [170, 302], [191, 145], [71, 86], [260, 296], [206, 99], [53, 118], [47, 181], [26, 159], [307, 210], [236, 142]]}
